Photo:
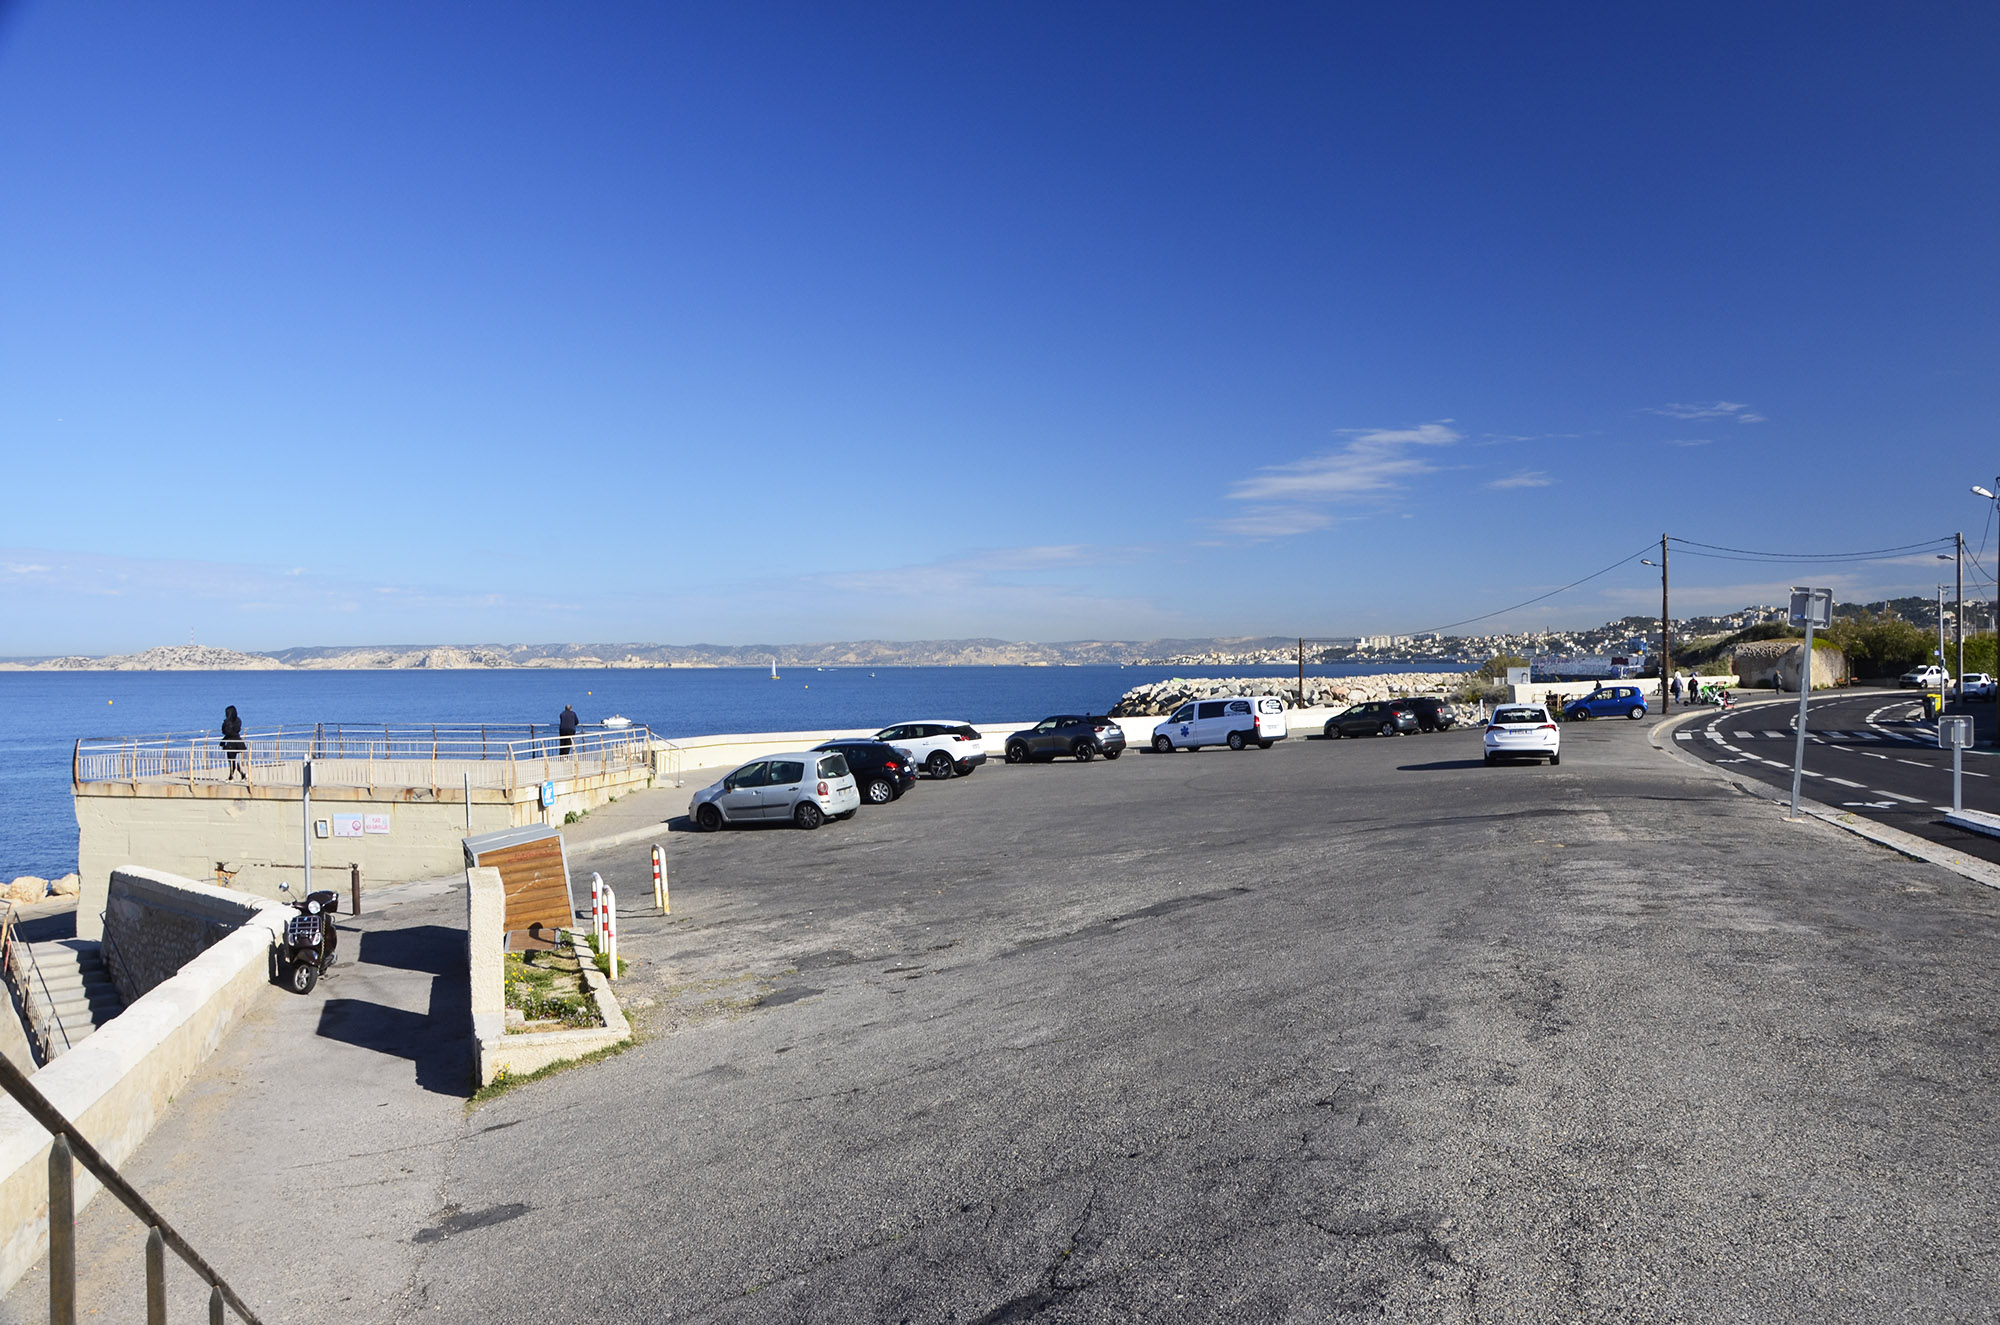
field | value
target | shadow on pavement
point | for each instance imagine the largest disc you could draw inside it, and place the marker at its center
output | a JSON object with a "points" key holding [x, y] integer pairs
{"points": [[438, 1042], [1441, 764], [432, 949]]}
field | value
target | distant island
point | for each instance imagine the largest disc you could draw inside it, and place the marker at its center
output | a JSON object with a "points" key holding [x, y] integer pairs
{"points": [[1634, 634]]}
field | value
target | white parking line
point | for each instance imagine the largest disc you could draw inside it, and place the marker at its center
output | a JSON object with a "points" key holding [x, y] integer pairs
{"points": [[1894, 796], [1844, 782], [1914, 763]]}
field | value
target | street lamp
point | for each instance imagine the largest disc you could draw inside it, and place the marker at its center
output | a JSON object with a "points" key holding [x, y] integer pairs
{"points": [[1666, 641], [1978, 491]]}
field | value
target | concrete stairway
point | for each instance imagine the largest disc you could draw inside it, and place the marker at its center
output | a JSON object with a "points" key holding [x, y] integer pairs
{"points": [[74, 979]]}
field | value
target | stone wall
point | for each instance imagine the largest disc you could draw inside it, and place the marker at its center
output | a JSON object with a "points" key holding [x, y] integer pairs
{"points": [[1758, 663], [156, 923]]}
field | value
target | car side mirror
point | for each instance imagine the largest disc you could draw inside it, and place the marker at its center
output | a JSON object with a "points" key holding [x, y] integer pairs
{"points": [[729, 784]]}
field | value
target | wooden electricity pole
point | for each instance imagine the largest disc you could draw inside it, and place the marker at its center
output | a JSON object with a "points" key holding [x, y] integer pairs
{"points": [[1666, 642]]}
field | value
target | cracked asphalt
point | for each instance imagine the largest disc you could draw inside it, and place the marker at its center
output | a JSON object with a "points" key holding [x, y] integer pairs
{"points": [[1357, 1028]]}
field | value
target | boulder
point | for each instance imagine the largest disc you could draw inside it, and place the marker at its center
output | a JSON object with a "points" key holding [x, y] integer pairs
{"points": [[27, 888], [67, 886]]}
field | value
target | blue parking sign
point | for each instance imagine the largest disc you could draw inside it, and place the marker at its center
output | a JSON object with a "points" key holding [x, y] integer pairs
{"points": [[548, 794]]}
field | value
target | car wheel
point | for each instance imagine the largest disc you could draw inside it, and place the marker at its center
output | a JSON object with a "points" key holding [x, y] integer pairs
{"points": [[939, 765], [808, 816], [1113, 754], [1265, 745], [1637, 713], [881, 791], [1084, 752], [1388, 729], [1554, 760], [1332, 732], [1017, 754], [1236, 741], [1162, 745], [707, 818]]}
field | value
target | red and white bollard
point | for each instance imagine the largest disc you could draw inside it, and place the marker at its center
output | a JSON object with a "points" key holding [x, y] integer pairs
{"points": [[611, 933], [597, 908], [660, 879]]}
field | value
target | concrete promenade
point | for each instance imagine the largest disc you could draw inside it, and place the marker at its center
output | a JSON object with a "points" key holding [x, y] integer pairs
{"points": [[1341, 1028]]}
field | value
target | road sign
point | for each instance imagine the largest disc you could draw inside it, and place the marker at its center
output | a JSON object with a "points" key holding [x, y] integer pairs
{"points": [[1812, 607], [1955, 732], [548, 794]]}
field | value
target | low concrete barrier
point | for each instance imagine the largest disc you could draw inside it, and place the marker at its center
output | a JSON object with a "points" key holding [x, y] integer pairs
{"points": [[154, 924], [117, 1084], [518, 1054]]}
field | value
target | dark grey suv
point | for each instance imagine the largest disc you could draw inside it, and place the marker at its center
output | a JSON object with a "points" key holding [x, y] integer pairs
{"points": [[1079, 736], [1390, 717]]}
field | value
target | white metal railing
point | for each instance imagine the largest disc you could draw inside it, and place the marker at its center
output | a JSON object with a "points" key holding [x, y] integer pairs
{"points": [[491, 756]]}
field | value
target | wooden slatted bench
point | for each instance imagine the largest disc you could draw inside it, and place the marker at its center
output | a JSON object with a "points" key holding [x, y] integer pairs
{"points": [[534, 874]]}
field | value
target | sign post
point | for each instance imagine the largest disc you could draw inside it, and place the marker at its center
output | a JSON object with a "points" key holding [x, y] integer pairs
{"points": [[1810, 608], [1955, 734]]}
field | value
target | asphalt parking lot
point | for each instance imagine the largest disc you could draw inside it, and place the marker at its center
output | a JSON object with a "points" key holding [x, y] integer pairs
{"points": [[1359, 1028]]}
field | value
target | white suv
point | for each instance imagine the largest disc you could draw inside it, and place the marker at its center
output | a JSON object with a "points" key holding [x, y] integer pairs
{"points": [[1932, 677], [1232, 720], [941, 749], [1975, 685]]}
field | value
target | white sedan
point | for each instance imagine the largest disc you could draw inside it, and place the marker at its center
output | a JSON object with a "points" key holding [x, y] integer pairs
{"points": [[1523, 731]]}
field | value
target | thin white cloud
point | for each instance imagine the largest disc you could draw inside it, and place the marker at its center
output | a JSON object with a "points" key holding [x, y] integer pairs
{"points": [[1373, 462], [27, 568], [1275, 521], [1527, 478], [1690, 441], [1718, 409]]}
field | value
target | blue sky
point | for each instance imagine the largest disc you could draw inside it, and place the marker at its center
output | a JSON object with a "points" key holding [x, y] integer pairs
{"points": [[372, 323]]}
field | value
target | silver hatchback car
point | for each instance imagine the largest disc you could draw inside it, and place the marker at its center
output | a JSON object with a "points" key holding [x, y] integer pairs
{"points": [[808, 787]]}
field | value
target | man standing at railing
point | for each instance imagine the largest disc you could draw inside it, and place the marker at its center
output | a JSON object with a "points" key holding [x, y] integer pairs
{"points": [[566, 727]]}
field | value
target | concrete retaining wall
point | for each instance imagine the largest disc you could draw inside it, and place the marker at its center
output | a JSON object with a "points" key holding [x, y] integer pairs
{"points": [[520, 1053], [118, 1083], [156, 924]]}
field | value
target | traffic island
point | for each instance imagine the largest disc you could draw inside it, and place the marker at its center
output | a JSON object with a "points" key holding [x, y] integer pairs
{"points": [[510, 1051]]}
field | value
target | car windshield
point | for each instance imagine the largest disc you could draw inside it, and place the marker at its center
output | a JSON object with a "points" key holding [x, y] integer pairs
{"points": [[1505, 716]]}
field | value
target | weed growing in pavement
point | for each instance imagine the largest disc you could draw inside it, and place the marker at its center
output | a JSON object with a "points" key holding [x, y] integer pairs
{"points": [[505, 1081]]}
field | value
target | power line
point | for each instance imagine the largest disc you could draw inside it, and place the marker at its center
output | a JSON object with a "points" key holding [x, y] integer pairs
{"points": [[1717, 552], [1550, 594]]}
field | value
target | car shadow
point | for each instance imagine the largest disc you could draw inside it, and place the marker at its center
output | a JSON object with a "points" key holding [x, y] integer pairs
{"points": [[1440, 764]]}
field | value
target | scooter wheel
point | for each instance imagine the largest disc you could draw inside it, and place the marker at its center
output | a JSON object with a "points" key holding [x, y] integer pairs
{"points": [[301, 978]]}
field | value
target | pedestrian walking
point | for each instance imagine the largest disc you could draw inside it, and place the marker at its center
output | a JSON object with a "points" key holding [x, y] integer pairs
{"points": [[566, 724], [1677, 688], [234, 745]]}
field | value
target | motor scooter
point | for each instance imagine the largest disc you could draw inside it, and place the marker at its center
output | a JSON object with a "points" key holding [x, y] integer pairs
{"points": [[307, 949]]}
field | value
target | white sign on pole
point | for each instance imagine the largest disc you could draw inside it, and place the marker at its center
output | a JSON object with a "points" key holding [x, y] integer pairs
{"points": [[1955, 732], [1812, 607]]}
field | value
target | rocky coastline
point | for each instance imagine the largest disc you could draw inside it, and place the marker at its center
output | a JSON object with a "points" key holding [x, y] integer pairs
{"points": [[1163, 697]]}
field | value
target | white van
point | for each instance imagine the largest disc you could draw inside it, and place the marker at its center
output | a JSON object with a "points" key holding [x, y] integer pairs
{"points": [[1231, 720]]}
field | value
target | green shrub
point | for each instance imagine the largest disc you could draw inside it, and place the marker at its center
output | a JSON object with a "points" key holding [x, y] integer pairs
{"points": [[1879, 644]]}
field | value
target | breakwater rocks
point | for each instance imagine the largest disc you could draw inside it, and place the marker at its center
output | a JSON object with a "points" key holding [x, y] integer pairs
{"points": [[1163, 697]]}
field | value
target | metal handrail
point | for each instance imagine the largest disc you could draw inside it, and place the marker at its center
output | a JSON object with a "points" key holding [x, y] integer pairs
{"points": [[69, 1141], [15, 976]]}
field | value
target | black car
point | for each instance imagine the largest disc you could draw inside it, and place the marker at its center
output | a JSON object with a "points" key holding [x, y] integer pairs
{"points": [[1077, 735], [1433, 714], [1390, 717], [881, 773]]}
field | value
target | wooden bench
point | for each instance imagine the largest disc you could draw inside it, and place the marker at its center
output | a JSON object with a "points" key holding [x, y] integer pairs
{"points": [[534, 875]]}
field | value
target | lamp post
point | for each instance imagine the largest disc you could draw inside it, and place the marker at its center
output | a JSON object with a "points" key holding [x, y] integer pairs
{"points": [[1666, 641], [1982, 492]]}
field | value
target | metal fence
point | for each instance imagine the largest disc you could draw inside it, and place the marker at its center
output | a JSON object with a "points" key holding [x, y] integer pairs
{"points": [[492, 756]]}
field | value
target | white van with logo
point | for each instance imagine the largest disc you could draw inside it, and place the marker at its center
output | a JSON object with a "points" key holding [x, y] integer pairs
{"points": [[1232, 720]]}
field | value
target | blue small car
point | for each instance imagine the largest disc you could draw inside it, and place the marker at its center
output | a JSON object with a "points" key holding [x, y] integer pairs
{"points": [[1607, 702]]}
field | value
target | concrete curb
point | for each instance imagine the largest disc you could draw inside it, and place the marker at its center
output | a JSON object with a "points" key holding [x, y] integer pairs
{"points": [[1907, 844], [647, 833]]}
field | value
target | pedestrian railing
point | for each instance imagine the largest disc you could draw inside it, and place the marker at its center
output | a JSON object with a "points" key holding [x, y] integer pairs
{"points": [[70, 1146], [31, 991], [492, 757]]}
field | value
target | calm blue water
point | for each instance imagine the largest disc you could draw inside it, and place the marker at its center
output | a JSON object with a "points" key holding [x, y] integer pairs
{"points": [[46, 712]]}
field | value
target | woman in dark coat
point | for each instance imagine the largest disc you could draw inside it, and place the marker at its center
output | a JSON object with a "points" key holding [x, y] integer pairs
{"points": [[233, 744]]}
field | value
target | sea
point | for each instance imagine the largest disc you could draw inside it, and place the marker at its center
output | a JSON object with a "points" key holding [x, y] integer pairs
{"points": [[46, 713]]}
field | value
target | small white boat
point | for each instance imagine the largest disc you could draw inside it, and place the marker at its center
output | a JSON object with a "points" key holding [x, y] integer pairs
{"points": [[774, 669], [616, 721]]}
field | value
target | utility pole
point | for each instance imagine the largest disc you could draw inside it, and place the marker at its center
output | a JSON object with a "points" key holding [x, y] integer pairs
{"points": [[1958, 625], [1666, 624], [1940, 653]]}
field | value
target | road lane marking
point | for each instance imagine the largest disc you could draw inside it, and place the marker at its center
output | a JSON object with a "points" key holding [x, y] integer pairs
{"points": [[1845, 783], [1907, 800]]}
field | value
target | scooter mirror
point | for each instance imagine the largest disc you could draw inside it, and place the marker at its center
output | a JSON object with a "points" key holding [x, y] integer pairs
{"points": [[284, 886]]}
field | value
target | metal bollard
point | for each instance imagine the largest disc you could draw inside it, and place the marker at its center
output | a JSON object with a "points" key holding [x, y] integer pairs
{"points": [[660, 898], [156, 1278], [62, 1234], [597, 908], [611, 933], [354, 886]]}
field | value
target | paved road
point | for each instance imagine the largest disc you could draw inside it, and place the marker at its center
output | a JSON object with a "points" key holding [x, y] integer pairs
{"points": [[1358, 1028], [1870, 753]]}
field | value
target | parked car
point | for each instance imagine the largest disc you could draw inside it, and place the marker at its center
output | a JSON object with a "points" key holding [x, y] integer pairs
{"points": [[1080, 736], [1975, 685], [881, 772], [805, 786], [1932, 677], [1434, 714], [1607, 702], [1523, 731], [1389, 717], [941, 749], [1232, 720]]}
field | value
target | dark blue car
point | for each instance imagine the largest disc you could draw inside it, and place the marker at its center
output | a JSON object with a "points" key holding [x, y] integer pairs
{"points": [[1607, 702]]}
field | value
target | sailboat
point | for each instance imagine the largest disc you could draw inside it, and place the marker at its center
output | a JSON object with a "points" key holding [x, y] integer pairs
{"points": [[774, 669]]}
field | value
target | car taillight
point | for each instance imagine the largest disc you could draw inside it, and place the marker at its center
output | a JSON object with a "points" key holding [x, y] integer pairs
{"points": [[891, 765], [1494, 727], [824, 789], [1547, 727]]}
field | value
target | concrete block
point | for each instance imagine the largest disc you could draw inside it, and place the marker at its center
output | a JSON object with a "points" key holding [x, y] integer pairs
{"points": [[486, 953]]}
